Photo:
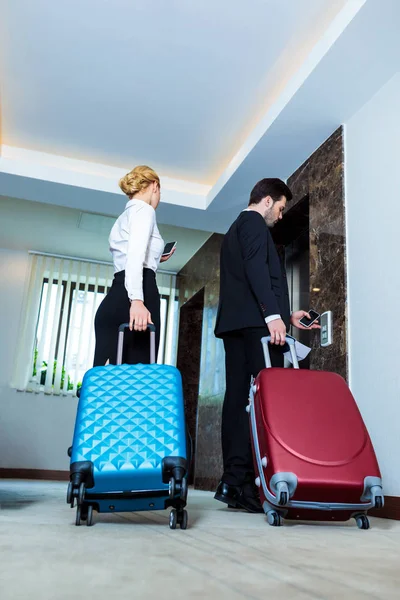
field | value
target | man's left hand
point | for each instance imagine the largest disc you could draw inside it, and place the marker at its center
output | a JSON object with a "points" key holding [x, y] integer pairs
{"points": [[299, 314]]}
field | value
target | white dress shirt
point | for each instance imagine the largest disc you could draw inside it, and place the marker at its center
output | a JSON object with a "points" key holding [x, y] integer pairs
{"points": [[136, 243]]}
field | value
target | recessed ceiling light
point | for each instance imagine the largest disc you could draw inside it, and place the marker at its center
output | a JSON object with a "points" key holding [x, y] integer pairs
{"points": [[316, 289]]}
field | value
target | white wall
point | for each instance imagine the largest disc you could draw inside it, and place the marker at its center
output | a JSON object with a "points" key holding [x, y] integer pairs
{"points": [[373, 223], [35, 430], [59, 230]]}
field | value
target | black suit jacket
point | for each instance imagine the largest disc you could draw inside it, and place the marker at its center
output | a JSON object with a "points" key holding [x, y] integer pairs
{"points": [[253, 281]]}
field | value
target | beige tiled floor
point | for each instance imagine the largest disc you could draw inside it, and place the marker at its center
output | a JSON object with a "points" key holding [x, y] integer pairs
{"points": [[223, 555]]}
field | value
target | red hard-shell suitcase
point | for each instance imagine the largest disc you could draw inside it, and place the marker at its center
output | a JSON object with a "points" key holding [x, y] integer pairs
{"points": [[313, 456]]}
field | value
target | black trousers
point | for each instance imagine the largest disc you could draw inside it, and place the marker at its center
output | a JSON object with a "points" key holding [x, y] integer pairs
{"points": [[243, 359], [113, 311]]}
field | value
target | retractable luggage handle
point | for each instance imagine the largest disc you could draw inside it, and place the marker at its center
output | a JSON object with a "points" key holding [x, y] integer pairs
{"points": [[121, 331], [291, 343]]}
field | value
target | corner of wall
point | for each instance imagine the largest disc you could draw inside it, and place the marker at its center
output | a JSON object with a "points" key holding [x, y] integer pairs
{"points": [[346, 255]]}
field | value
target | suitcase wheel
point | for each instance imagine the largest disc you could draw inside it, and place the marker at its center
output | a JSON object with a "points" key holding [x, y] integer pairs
{"points": [[78, 516], [171, 490], [84, 513], [70, 496], [362, 522], [178, 517], [184, 520], [283, 498], [282, 493], [173, 519], [81, 493], [75, 493], [184, 489], [89, 519], [273, 518], [378, 502]]}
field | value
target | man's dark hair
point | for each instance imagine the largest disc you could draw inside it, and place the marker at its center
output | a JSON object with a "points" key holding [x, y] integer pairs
{"points": [[273, 187]]}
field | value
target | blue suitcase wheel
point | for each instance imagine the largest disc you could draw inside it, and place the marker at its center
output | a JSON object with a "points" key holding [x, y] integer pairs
{"points": [[70, 497], [184, 489], [178, 517], [171, 490], [184, 520], [89, 518], [84, 513], [173, 519], [81, 493]]}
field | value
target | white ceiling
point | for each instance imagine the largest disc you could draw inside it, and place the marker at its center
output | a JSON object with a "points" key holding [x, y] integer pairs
{"points": [[176, 84], [214, 95]]}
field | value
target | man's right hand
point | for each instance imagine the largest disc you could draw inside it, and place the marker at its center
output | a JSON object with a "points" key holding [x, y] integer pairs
{"points": [[139, 316], [277, 329]]}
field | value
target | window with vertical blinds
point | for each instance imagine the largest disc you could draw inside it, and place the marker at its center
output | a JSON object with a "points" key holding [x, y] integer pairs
{"points": [[56, 342]]}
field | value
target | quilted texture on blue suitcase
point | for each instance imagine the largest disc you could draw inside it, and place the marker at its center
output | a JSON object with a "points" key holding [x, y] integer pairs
{"points": [[129, 418]]}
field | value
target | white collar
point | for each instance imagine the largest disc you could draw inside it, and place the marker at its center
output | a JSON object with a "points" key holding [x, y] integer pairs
{"points": [[135, 201]]}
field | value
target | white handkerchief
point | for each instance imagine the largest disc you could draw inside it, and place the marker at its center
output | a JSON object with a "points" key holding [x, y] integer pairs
{"points": [[301, 350]]}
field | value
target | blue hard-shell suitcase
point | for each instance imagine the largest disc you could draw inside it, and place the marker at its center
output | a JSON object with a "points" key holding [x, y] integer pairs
{"points": [[129, 450]]}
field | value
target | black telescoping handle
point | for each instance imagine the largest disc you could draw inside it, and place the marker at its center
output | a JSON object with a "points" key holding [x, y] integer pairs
{"points": [[292, 347], [121, 332]]}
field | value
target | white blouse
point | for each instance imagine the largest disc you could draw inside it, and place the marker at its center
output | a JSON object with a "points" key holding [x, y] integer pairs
{"points": [[136, 243]]}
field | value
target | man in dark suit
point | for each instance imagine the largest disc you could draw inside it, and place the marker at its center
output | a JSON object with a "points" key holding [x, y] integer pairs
{"points": [[253, 303]]}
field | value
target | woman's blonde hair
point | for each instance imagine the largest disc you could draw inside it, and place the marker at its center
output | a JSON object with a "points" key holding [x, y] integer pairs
{"points": [[137, 180]]}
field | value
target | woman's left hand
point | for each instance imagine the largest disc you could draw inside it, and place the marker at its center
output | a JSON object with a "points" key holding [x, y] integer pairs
{"points": [[167, 257]]}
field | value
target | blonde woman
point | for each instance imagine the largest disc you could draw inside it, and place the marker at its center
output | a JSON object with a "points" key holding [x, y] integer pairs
{"points": [[136, 247]]}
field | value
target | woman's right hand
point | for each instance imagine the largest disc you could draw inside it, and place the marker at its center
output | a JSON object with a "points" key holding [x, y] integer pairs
{"points": [[139, 316]]}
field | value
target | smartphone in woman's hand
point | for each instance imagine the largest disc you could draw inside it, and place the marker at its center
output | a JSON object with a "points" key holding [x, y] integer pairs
{"points": [[170, 247]]}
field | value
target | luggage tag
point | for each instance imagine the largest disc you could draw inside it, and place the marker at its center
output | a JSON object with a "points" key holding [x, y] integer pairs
{"points": [[302, 352]]}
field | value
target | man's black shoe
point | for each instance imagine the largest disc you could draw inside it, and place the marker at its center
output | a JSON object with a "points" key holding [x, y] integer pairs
{"points": [[227, 494], [234, 496]]}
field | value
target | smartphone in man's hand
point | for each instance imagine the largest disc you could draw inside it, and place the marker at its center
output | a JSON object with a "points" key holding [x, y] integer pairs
{"points": [[306, 322]]}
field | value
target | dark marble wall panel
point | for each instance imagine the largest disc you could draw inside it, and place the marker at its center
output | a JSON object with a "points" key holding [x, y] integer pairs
{"points": [[322, 178], [188, 362], [202, 273], [209, 455]]}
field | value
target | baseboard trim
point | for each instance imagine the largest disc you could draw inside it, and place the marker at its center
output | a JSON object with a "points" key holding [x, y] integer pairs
{"points": [[41, 474], [391, 510], [205, 484]]}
